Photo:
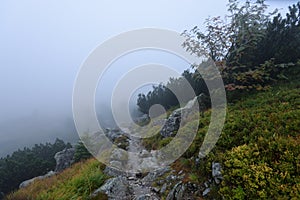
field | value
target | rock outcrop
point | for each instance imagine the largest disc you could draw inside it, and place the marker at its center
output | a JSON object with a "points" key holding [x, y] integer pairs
{"points": [[115, 188], [28, 182], [64, 159], [172, 124]]}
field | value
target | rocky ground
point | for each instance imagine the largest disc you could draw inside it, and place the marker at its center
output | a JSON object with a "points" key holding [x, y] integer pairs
{"points": [[136, 184], [142, 176], [139, 186], [162, 183]]}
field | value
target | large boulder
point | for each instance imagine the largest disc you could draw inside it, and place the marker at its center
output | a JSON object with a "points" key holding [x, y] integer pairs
{"points": [[64, 159], [115, 188], [172, 124]]}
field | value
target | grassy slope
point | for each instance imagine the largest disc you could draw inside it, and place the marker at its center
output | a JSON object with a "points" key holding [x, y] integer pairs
{"points": [[259, 150], [76, 182]]}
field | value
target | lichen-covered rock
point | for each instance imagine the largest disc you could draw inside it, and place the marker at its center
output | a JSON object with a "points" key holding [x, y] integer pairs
{"points": [[205, 192], [216, 172], [177, 192], [115, 188], [155, 174], [28, 182], [146, 197], [172, 124], [113, 171], [64, 159], [113, 134]]}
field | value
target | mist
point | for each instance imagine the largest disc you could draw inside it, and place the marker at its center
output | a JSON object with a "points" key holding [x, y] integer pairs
{"points": [[43, 45]]}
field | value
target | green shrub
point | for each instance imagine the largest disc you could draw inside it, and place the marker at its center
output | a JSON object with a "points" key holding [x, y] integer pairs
{"points": [[258, 149], [267, 170], [81, 152]]}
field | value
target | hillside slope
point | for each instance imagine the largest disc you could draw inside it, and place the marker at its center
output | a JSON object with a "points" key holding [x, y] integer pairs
{"points": [[259, 152], [76, 182]]}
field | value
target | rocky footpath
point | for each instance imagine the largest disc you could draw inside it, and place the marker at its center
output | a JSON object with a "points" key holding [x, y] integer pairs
{"points": [[131, 182], [162, 183]]}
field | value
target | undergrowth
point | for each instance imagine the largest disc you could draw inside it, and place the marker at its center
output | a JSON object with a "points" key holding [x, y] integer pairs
{"points": [[76, 182], [259, 148]]}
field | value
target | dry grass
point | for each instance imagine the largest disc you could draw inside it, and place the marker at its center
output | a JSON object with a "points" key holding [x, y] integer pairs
{"points": [[76, 182]]}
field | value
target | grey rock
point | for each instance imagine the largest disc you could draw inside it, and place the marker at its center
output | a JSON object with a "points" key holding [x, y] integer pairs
{"points": [[206, 191], [177, 192], [155, 174], [216, 172], [155, 189], [197, 162], [147, 197], [147, 164], [116, 164], [163, 188], [112, 171], [186, 191], [143, 197], [206, 184], [113, 134], [119, 155], [115, 188], [145, 154], [192, 187], [28, 182], [172, 124], [64, 159], [172, 177], [180, 192], [130, 178]]}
